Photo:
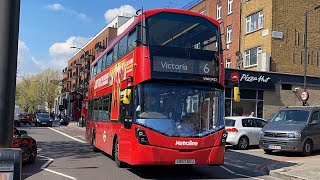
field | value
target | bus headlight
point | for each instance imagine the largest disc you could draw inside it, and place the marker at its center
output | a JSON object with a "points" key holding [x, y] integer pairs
{"points": [[142, 136]]}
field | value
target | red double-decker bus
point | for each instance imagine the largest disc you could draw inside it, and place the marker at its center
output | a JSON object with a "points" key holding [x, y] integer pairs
{"points": [[156, 95]]}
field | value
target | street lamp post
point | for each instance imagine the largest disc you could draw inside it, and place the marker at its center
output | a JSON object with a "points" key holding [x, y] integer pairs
{"points": [[74, 47], [306, 50]]}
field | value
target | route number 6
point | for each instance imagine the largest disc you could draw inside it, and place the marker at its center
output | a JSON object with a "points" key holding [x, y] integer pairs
{"points": [[206, 69]]}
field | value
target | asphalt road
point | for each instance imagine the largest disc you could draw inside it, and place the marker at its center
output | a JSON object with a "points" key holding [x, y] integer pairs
{"points": [[67, 156]]}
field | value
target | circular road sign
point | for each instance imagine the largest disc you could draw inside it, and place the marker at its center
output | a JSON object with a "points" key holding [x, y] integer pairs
{"points": [[305, 96]]}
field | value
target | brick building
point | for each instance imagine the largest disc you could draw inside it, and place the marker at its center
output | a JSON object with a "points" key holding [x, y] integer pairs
{"points": [[227, 12]]}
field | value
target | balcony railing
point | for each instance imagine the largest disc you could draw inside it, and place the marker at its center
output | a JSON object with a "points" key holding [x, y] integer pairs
{"points": [[82, 57], [98, 47]]}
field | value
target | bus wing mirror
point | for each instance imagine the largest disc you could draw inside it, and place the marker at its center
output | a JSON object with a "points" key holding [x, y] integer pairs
{"points": [[127, 96], [127, 123], [236, 94]]}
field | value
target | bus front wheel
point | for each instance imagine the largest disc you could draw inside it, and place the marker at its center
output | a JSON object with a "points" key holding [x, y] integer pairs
{"points": [[119, 163]]}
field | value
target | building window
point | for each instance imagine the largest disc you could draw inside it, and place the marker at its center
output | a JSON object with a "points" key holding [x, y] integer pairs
{"points": [[228, 63], [251, 56], [219, 8], [254, 22], [230, 6], [203, 12], [229, 34]]}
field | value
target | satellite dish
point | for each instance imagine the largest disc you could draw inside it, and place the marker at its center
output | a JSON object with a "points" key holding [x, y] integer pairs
{"points": [[238, 53]]}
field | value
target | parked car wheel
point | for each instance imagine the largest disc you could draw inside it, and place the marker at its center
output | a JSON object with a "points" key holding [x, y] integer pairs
{"points": [[243, 143], [268, 151], [33, 154], [307, 148]]}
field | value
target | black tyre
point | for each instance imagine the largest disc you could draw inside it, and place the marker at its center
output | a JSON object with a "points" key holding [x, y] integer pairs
{"points": [[268, 151], [33, 154], [307, 148], [243, 143], [119, 163], [94, 148]]}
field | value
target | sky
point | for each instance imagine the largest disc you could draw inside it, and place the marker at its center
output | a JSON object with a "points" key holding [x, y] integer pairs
{"points": [[48, 28]]}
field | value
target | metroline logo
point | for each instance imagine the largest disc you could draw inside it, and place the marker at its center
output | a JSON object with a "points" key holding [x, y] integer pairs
{"points": [[187, 143]]}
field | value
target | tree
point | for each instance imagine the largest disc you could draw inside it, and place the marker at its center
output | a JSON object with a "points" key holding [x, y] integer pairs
{"points": [[34, 90]]}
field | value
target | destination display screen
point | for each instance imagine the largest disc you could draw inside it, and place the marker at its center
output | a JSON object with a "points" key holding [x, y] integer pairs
{"points": [[183, 65]]}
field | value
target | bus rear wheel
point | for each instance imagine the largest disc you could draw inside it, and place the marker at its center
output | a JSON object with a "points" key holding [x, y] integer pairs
{"points": [[119, 163]]}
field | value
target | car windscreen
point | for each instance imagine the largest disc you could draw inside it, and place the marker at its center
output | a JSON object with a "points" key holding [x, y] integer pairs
{"points": [[230, 122], [291, 116], [43, 115]]}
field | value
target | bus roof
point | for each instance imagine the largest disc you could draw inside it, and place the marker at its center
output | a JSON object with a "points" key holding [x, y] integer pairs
{"points": [[149, 13]]}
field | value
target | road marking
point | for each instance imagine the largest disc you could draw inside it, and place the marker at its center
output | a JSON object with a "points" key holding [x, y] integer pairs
{"points": [[228, 170], [49, 161], [232, 172], [64, 175], [73, 138], [240, 167]]}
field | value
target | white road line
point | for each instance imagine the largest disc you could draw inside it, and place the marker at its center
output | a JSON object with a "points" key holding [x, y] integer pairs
{"points": [[73, 138], [232, 172], [228, 170], [50, 160], [64, 175]]}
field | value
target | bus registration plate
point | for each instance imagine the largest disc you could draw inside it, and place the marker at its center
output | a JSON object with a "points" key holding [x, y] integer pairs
{"points": [[185, 161]]}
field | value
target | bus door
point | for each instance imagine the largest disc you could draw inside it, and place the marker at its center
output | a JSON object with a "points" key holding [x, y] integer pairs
{"points": [[126, 114]]}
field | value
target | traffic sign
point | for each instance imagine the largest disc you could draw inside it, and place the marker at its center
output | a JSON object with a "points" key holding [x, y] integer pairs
{"points": [[305, 96]]}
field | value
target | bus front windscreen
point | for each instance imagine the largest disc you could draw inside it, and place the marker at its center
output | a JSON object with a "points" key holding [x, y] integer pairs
{"points": [[180, 111]]}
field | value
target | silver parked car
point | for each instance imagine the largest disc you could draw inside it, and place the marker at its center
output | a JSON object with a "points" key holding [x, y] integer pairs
{"points": [[294, 129]]}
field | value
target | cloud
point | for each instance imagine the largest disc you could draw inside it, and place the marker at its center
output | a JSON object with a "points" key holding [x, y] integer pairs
{"points": [[55, 7], [27, 64], [124, 10], [61, 52], [62, 49], [59, 7]]}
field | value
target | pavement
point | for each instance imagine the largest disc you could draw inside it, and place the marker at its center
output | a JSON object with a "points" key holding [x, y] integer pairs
{"points": [[298, 168]]}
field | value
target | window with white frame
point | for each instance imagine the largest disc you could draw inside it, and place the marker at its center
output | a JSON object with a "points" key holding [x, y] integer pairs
{"points": [[219, 8], [230, 6], [254, 22], [203, 12], [229, 34], [252, 55], [228, 63]]}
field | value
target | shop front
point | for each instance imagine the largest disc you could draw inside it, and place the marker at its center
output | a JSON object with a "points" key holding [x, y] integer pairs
{"points": [[263, 93]]}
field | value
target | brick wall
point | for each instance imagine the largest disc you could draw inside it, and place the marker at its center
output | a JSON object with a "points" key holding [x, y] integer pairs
{"points": [[255, 39], [288, 53], [278, 99], [232, 19]]}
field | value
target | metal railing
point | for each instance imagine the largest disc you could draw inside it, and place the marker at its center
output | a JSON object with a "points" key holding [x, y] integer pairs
{"points": [[192, 4]]}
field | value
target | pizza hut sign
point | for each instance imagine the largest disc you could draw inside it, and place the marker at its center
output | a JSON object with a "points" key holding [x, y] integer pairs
{"points": [[248, 78]]}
